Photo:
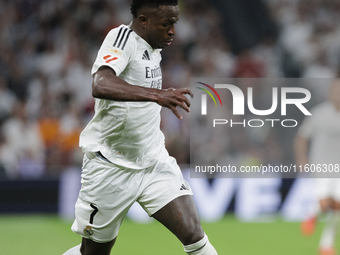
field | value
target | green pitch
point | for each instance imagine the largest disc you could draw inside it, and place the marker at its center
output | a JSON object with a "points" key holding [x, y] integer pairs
{"points": [[42, 235]]}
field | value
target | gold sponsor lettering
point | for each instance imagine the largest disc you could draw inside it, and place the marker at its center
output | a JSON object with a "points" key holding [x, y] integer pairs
{"points": [[116, 51]]}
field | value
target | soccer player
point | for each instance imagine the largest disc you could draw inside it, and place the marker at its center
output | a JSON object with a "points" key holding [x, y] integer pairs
{"points": [[125, 158], [322, 129]]}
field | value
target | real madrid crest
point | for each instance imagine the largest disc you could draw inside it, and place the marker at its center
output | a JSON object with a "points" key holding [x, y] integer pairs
{"points": [[88, 231]]}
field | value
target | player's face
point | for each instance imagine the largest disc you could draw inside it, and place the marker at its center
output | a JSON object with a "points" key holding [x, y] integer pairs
{"points": [[161, 28]]}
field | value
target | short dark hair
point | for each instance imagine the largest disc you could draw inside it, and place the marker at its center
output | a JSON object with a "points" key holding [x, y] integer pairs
{"points": [[136, 5]]}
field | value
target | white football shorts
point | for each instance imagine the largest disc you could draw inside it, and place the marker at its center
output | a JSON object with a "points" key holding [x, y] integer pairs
{"points": [[108, 191], [327, 188]]}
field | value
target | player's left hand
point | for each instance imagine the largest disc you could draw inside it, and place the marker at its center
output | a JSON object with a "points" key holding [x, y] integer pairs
{"points": [[171, 98]]}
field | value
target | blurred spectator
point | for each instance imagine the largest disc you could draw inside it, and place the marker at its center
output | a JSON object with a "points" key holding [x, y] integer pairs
{"points": [[7, 159], [248, 65], [70, 128], [7, 100], [24, 144], [49, 128]]}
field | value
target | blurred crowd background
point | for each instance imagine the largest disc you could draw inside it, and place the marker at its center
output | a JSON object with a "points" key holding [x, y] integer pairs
{"points": [[47, 48]]}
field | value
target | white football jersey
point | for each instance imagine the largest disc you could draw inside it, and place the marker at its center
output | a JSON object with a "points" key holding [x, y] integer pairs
{"points": [[127, 133], [323, 129]]}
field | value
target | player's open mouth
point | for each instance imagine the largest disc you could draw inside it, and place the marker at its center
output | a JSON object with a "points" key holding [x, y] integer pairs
{"points": [[169, 42]]}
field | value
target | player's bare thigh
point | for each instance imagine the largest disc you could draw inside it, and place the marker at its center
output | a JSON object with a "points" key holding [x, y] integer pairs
{"points": [[180, 216]]}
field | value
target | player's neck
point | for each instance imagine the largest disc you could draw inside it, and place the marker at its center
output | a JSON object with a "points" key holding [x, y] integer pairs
{"points": [[138, 30]]}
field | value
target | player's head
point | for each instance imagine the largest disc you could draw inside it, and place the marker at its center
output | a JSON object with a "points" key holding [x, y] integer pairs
{"points": [[335, 93], [155, 20], [137, 5]]}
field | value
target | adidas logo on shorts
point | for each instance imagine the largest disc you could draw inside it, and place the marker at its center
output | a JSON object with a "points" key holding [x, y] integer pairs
{"points": [[183, 187]]}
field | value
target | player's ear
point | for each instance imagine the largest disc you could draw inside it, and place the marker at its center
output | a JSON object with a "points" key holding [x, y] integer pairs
{"points": [[143, 20]]}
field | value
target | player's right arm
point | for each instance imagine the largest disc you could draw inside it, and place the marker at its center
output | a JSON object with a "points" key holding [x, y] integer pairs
{"points": [[302, 138], [301, 150], [107, 85]]}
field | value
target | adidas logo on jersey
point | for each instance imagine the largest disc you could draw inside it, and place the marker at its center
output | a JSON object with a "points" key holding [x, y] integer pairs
{"points": [[183, 187], [146, 55]]}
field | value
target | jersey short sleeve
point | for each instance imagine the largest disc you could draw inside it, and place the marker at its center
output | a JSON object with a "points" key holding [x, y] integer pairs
{"points": [[116, 50]]}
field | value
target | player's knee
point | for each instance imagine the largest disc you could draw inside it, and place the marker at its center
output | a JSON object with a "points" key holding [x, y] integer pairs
{"points": [[193, 234]]}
